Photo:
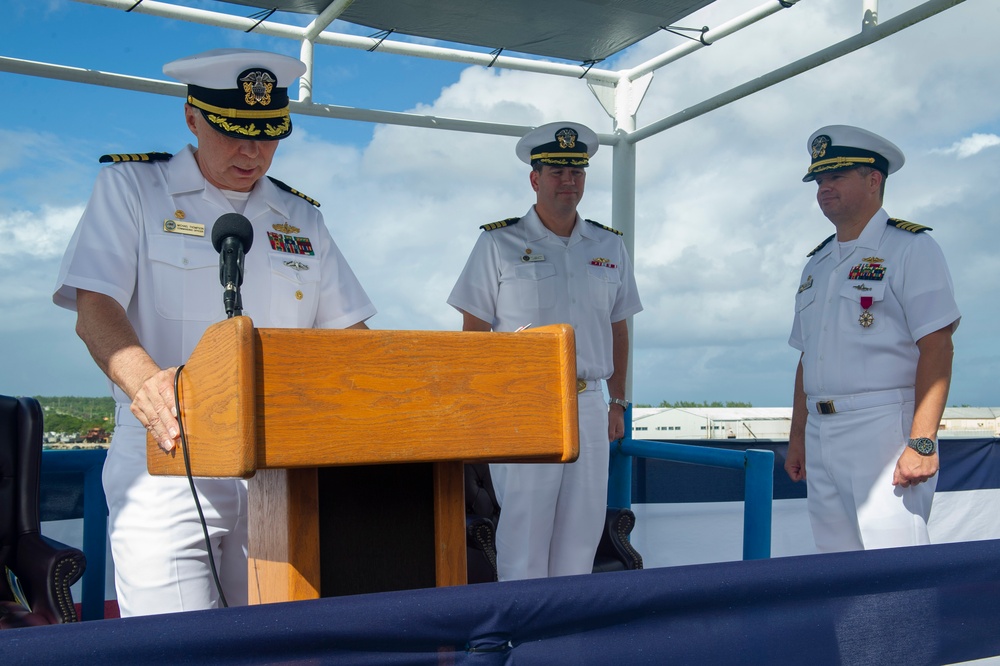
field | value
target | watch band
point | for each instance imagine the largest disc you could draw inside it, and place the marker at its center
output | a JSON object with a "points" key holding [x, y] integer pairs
{"points": [[620, 402], [925, 446]]}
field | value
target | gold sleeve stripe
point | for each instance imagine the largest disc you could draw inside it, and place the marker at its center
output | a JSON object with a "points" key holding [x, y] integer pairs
{"points": [[822, 245], [288, 188], [611, 229], [500, 225], [134, 157], [912, 227]]}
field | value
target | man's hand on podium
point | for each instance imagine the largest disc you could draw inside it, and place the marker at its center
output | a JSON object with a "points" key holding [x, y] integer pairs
{"points": [[154, 406]]}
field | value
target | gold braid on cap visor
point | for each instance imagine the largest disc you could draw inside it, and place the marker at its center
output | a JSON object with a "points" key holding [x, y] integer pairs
{"points": [[237, 113], [840, 163], [559, 156]]}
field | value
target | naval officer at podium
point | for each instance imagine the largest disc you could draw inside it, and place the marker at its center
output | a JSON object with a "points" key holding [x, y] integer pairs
{"points": [[143, 276]]}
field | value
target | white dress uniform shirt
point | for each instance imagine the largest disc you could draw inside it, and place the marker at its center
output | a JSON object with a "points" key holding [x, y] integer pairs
{"points": [[168, 283], [914, 297], [525, 274], [128, 246]]}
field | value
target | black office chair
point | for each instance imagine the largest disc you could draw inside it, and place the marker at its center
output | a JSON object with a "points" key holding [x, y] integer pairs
{"points": [[45, 569], [482, 512]]}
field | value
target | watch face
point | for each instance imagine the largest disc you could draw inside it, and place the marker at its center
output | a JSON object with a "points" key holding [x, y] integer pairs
{"points": [[922, 445]]}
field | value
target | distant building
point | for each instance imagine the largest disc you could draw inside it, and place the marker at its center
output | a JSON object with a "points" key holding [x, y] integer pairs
{"points": [[774, 423]]}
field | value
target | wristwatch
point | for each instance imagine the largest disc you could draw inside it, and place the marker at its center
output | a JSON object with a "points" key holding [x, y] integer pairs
{"points": [[619, 401], [925, 446]]}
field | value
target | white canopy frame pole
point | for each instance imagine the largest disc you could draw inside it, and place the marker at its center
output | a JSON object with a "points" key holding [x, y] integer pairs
{"points": [[275, 29], [871, 35], [709, 37], [307, 51], [628, 95], [870, 14], [332, 12]]}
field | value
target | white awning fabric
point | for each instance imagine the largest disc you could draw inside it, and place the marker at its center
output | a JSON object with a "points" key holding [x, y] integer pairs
{"points": [[575, 30]]}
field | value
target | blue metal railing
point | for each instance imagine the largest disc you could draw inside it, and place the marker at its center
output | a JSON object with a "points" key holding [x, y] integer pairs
{"points": [[87, 463], [756, 465]]}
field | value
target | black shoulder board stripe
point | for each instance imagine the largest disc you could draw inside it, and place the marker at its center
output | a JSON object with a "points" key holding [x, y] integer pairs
{"points": [[135, 157], [907, 226], [501, 224], [598, 224], [289, 188], [822, 245]]}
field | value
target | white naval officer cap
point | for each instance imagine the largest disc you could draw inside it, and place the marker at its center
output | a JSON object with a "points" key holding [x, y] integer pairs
{"points": [[242, 93], [558, 144], [837, 147]]}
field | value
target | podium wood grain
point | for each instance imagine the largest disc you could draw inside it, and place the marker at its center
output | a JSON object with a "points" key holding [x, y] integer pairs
{"points": [[280, 403]]}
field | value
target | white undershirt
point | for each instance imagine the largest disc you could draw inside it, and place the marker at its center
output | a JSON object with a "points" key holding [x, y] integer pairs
{"points": [[237, 199]]}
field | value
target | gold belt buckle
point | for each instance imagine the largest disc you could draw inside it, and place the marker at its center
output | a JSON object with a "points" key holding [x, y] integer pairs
{"points": [[825, 407], [581, 385]]}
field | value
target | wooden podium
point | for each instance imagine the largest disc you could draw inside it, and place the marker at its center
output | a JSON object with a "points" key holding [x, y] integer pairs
{"points": [[354, 443]]}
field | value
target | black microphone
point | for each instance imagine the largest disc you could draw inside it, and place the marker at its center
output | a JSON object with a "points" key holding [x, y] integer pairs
{"points": [[232, 237]]}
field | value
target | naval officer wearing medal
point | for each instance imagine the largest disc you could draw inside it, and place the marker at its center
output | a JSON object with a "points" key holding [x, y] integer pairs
{"points": [[874, 317], [143, 276], [552, 266]]}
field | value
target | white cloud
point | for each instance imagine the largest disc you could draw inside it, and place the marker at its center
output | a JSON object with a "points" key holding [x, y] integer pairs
{"points": [[42, 235], [723, 221], [970, 145]]}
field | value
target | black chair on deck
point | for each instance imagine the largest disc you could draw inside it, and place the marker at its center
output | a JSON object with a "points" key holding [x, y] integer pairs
{"points": [[482, 512], [45, 569]]}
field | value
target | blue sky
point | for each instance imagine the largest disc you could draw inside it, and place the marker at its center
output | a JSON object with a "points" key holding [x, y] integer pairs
{"points": [[723, 222]]}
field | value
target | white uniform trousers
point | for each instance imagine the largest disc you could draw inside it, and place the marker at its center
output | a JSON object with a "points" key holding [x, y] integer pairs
{"points": [[157, 542], [552, 515], [850, 460]]}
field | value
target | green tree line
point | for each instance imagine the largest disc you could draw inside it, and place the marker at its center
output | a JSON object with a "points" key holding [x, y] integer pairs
{"points": [[703, 403], [75, 414]]}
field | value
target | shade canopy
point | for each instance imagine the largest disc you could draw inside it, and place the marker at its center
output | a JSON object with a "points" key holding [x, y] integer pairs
{"points": [[576, 30]]}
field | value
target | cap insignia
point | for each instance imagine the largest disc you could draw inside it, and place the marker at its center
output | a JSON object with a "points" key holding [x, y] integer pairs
{"points": [[566, 138], [257, 84], [819, 146]]}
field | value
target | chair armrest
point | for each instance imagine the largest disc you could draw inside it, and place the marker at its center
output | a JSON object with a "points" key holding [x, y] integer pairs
{"points": [[47, 569], [481, 549], [615, 552]]}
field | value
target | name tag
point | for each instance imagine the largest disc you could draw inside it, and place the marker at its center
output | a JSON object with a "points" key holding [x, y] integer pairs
{"points": [[181, 227]]}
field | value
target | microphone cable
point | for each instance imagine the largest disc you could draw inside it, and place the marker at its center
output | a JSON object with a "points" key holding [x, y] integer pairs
{"points": [[194, 492]]}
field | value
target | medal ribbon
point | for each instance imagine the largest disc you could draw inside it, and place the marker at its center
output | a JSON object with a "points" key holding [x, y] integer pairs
{"points": [[866, 302]]}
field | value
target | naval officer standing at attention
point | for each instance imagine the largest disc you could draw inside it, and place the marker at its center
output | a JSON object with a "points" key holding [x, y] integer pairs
{"points": [[142, 274], [552, 266], [874, 317]]}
